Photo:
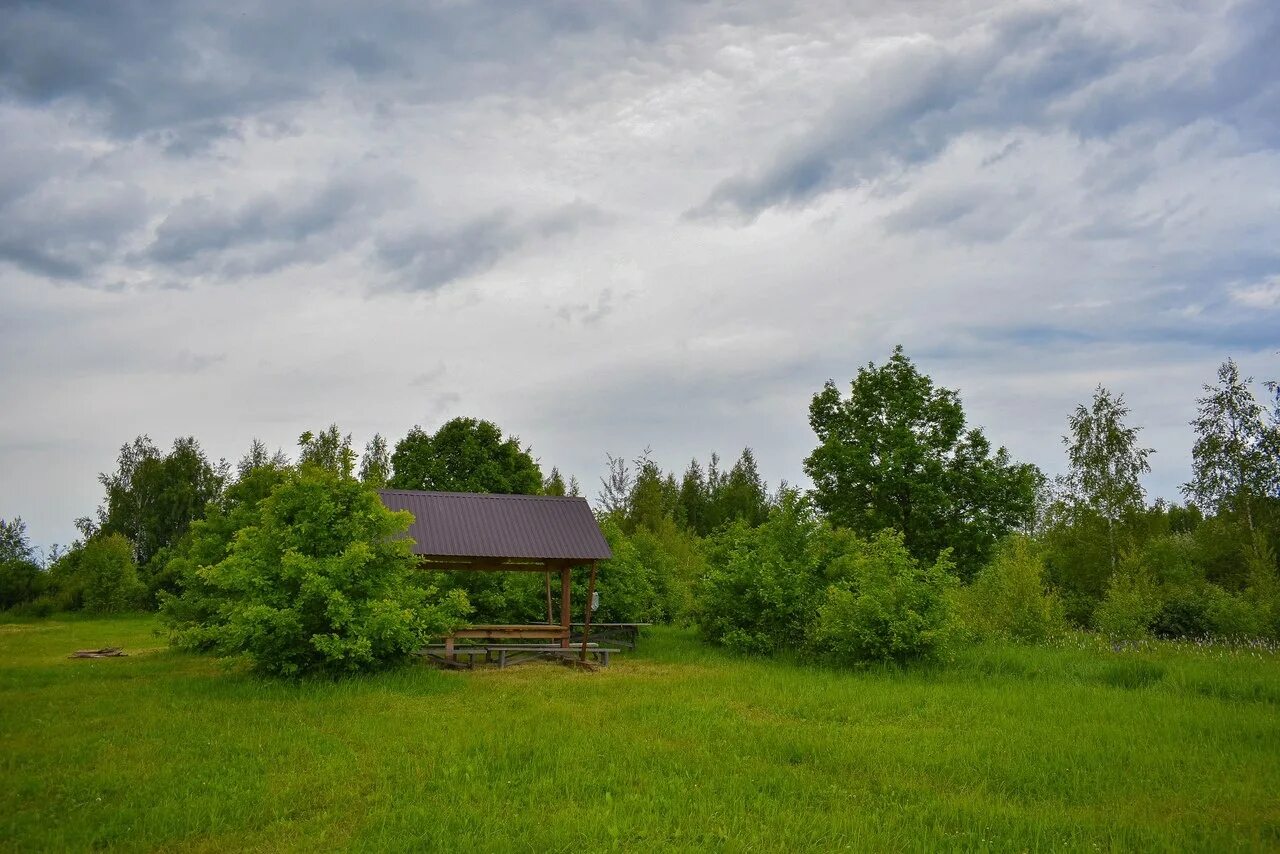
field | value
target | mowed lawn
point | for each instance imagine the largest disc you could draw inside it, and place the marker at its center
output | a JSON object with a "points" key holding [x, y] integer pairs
{"points": [[675, 747]]}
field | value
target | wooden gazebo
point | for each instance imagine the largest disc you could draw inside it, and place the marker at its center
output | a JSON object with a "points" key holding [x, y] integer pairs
{"points": [[507, 533]]}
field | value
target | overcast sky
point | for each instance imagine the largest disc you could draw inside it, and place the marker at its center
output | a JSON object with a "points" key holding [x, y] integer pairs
{"points": [[606, 225]]}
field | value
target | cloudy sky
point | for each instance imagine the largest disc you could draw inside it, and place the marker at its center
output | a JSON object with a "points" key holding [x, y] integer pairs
{"points": [[607, 225]]}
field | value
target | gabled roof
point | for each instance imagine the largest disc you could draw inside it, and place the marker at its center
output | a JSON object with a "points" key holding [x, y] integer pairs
{"points": [[475, 525]]}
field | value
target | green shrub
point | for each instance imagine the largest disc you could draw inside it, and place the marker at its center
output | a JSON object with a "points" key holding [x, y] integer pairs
{"points": [[1172, 560], [758, 591], [675, 561], [21, 581], [106, 576], [1131, 605], [44, 606], [1234, 615], [323, 581], [1008, 599], [1183, 614], [882, 604]]}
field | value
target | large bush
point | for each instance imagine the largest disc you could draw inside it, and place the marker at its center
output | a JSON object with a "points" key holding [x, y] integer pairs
{"points": [[99, 576], [321, 581], [883, 605], [1132, 603], [758, 592], [1008, 600], [1184, 613]]}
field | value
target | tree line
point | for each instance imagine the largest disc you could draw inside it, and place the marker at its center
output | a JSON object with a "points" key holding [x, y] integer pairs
{"points": [[917, 532]]}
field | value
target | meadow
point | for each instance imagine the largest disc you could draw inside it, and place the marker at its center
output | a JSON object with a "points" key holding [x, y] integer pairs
{"points": [[679, 746]]}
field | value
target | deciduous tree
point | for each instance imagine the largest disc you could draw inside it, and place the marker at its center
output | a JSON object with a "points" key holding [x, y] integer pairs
{"points": [[1234, 466], [896, 454], [1106, 465], [465, 455]]}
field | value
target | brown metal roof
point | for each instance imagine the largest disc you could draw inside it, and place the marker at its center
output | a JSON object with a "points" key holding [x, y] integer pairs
{"points": [[468, 524]]}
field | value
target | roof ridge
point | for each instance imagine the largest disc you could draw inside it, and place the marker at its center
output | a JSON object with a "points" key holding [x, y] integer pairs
{"points": [[503, 495]]}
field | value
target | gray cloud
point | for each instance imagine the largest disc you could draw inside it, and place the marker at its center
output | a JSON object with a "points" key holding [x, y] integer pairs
{"points": [[1043, 68], [262, 235], [426, 259], [138, 67], [969, 214], [64, 230]]}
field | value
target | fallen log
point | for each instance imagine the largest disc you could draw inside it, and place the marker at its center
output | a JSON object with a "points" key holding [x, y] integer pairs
{"points": [[105, 652]]}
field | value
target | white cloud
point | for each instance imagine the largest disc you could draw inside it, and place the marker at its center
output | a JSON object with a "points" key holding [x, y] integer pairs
{"points": [[1264, 295]]}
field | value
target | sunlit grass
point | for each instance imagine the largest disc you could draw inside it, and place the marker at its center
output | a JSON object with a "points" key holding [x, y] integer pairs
{"points": [[676, 747]]}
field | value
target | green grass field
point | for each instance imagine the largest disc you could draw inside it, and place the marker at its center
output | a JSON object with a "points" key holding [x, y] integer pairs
{"points": [[675, 747]]}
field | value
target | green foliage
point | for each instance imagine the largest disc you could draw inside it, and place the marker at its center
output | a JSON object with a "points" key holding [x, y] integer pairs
{"points": [[465, 455], [653, 497], [1184, 613], [1106, 464], [1008, 600], [896, 454], [651, 575], [1234, 615], [105, 576], [741, 495], [1131, 604], [883, 605], [322, 581], [22, 579], [209, 543], [1234, 465], [694, 500], [375, 463], [677, 562], [329, 449], [760, 586], [554, 484], [152, 498]]}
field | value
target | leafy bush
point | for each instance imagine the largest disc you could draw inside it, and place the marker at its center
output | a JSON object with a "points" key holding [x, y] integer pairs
{"points": [[1008, 599], [208, 542], [322, 581], [1234, 615], [1183, 614], [45, 606], [1131, 605], [21, 581], [760, 585], [1172, 560], [99, 576], [883, 605]]}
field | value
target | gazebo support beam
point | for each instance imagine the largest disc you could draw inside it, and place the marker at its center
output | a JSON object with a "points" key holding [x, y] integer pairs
{"points": [[565, 617], [586, 621], [550, 614]]}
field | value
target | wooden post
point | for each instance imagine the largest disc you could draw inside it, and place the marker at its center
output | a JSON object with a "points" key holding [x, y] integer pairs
{"points": [[586, 622], [550, 617], [565, 618], [448, 648]]}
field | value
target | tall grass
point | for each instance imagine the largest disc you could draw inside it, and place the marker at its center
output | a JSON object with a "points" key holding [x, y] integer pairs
{"points": [[677, 747]]}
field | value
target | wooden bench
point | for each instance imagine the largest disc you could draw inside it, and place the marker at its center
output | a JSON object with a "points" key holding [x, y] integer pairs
{"points": [[511, 653], [517, 653]]}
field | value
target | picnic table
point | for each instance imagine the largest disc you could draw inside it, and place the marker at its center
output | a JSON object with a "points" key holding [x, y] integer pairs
{"points": [[622, 634]]}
